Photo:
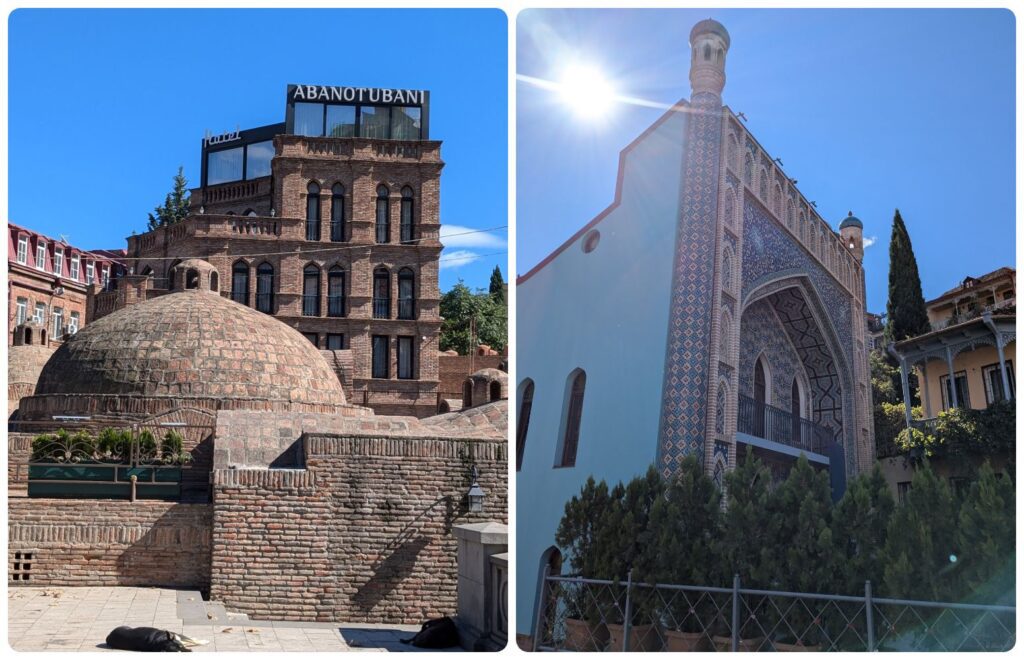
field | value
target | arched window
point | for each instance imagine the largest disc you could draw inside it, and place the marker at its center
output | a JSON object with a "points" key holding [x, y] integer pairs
{"points": [[406, 294], [381, 293], [383, 215], [240, 283], [523, 422], [803, 226], [720, 408], [313, 211], [729, 207], [748, 169], [467, 394], [170, 273], [336, 291], [734, 152], [214, 282], [707, 52], [726, 335], [265, 288], [249, 213], [718, 55], [777, 202], [796, 408], [338, 212], [573, 418], [495, 391], [789, 213], [148, 271], [311, 290], [192, 279], [761, 397], [405, 228], [727, 270], [763, 186]]}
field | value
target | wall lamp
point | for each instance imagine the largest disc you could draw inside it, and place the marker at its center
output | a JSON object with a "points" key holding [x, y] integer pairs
{"points": [[475, 496]]}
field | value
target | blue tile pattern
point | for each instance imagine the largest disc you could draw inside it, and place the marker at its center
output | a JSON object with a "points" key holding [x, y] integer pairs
{"points": [[761, 332]]}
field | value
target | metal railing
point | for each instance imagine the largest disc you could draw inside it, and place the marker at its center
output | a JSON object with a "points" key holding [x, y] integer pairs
{"points": [[1004, 306], [313, 230], [578, 614], [406, 233], [240, 297], [310, 305], [265, 303], [770, 423], [335, 305], [406, 308], [382, 308], [337, 231]]}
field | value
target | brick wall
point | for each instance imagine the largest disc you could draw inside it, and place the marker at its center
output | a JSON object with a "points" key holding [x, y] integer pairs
{"points": [[101, 542], [363, 534], [454, 369]]}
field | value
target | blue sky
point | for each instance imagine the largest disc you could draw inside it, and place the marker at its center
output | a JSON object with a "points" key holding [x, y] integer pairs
{"points": [[106, 104], [870, 110]]}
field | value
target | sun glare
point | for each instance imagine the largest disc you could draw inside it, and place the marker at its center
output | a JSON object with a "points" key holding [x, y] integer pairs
{"points": [[586, 90]]}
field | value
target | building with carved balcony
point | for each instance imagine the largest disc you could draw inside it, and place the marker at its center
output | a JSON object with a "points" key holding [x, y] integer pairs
{"points": [[709, 311], [328, 221]]}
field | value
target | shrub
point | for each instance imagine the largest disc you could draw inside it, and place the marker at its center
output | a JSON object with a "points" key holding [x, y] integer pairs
{"points": [[146, 446], [115, 444], [985, 567], [171, 447], [860, 522]]}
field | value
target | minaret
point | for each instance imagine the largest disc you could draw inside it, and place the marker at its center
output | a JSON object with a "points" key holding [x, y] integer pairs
{"points": [[851, 230], [709, 43]]}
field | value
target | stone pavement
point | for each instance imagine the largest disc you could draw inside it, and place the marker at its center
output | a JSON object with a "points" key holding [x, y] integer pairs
{"points": [[79, 619]]}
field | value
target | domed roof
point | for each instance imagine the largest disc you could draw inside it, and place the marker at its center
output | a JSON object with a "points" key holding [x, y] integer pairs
{"points": [[710, 25], [187, 346], [851, 221]]}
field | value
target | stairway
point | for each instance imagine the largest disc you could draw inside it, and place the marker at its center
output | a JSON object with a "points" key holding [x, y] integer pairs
{"points": [[194, 611]]}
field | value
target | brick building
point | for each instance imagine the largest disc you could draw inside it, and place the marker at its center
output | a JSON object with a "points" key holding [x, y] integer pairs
{"points": [[329, 221], [49, 282]]}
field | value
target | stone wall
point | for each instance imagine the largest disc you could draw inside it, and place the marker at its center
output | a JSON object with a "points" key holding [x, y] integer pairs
{"points": [[454, 369], [363, 534], [108, 543]]}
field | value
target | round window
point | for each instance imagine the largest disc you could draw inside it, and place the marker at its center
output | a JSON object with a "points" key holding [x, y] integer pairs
{"points": [[591, 240]]}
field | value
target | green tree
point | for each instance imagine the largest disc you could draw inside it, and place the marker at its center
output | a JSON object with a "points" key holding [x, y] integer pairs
{"points": [[744, 545], [625, 528], [906, 313], [176, 205], [986, 537], [463, 310], [497, 287], [577, 532], [802, 551], [920, 551], [860, 521]]}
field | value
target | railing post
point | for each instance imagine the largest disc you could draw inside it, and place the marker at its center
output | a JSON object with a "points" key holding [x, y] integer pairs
{"points": [[629, 612], [869, 610], [735, 612], [133, 480], [542, 604]]}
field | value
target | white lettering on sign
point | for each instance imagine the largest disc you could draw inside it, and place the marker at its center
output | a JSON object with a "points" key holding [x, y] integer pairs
{"points": [[358, 95], [210, 140]]}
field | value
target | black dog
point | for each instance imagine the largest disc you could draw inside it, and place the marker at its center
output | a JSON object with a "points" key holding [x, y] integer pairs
{"points": [[125, 638], [436, 634]]}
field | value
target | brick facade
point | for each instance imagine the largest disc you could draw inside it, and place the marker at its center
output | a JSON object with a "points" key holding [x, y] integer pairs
{"points": [[454, 369]]}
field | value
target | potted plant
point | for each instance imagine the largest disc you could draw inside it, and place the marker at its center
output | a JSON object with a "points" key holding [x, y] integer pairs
{"points": [[115, 445]]}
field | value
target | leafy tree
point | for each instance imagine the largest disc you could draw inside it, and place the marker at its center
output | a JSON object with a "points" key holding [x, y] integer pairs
{"points": [[497, 287], [577, 532], [624, 529], [986, 537], [802, 551], [960, 432], [860, 521], [920, 550], [906, 312], [744, 545], [462, 309], [176, 205]]}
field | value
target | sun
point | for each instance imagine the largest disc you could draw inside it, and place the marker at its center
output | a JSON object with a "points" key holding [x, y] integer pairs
{"points": [[586, 91]]}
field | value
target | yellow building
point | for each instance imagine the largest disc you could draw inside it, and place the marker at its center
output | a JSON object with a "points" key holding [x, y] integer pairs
{"points": [[966, 361]]}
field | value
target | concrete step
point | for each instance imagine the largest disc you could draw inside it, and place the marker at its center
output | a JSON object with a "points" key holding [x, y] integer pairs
{"points": [[192, 608], [215, 613]]}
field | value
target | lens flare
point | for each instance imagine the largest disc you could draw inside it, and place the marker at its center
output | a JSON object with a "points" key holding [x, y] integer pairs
{"points": [[586, 91]]}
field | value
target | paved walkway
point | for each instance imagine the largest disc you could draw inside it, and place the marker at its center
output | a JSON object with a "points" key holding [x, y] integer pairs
{"points": [[79, 619]]}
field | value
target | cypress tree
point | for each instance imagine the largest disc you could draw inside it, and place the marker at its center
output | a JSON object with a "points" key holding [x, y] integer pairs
{"points": [[497, 286], [745, 542], [986, 530], [176, 204], [906, 313], [860, 521]]}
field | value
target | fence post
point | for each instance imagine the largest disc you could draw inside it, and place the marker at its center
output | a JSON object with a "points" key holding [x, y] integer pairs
{"points": [[735, 612], [542, 604], [869, 610], [627, 619]]}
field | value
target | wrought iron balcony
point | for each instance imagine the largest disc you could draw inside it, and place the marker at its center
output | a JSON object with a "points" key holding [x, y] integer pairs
{"points": [[335, 305], [382, 308], [337, 231], [770, 423], [312, 230], [311, 305], [406, 308], [265, 303], [240, 297]]}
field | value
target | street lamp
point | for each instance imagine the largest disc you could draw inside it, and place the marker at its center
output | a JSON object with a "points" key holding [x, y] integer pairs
{"points": [[475, 496]]}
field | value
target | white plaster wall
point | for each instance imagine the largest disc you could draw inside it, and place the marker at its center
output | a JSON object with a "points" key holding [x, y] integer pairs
{"points": [[607, 313]]}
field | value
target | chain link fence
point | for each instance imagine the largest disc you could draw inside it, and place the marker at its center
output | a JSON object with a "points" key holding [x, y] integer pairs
{"points": [[580, 614]]}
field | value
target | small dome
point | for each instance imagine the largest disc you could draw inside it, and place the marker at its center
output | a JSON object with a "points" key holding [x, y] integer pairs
{"points": [[712, 26], [851, 221], [188, 349]]}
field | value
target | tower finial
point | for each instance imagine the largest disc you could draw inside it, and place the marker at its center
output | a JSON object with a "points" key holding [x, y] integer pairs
{"points": [[709, 43]]}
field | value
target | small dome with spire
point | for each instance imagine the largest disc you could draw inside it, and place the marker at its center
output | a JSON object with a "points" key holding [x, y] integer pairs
{"points": [[710, 25], [851, 221]]}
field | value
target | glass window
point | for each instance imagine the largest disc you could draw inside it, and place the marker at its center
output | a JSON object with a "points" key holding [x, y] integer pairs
{"points": [[240, 283], [265, 288], [374, 121], [383, 215], [22, 249], [74, 267], [523, 421], [381, 294], [336, 292], [405, 361], [963, 400], [338, 212], [22, 311], [313, 338], [257, 159], [58, 261], [311, 291], [40, 314], [341, 121], [105, 275], [993, 377], [73, 323], [40, 255], [405, 123], [58, 323], [570, 441], [381, 357], [90, 272], [223, 166], [313, 211], [405, 220], [335, 342], [406, 294], [309, 119]]}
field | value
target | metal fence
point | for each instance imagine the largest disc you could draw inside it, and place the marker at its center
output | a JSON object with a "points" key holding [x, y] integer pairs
{"points": [[579, 614], [763, 421]]}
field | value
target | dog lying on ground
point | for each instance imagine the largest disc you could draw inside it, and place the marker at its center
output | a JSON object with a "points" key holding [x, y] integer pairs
{"points": [[125, 638], [436, 634]]}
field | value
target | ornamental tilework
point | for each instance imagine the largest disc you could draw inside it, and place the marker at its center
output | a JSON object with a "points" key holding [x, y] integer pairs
{"points": [[762, 333], [686, 384]]}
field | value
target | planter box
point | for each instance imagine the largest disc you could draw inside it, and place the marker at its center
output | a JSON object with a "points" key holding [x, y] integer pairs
{"points": [[97, 481], [782, 646], [686, 642], [745, 645], [641, 638], [581, 635]]}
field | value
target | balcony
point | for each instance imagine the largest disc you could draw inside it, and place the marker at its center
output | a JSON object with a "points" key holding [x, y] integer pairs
{"points": [[406, 309], [337, 231], [311, 305], [1002, 307], [265, 303], [776, 425], [382, 308], [336, 306]]}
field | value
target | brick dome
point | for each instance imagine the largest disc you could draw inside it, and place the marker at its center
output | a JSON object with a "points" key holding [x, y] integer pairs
{"points": [[190, 349]]}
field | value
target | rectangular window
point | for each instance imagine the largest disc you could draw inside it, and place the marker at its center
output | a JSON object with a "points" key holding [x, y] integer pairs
{"points": [[313, 338], [90, 272], [41, 255], [40, 314], [381, 357], [74, 267], [105, 277], [341, 121], [23, 249], [73, 323], [58, 261], [902, 490], [223, 166], [309, 119], [22, 311], [335, 342], [58, 323], [257, 159], [405, 357], [993, 378], [962, 398], [374, 122], [405, 123]]}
